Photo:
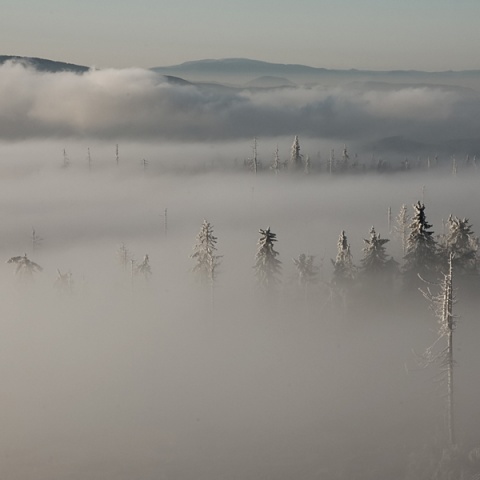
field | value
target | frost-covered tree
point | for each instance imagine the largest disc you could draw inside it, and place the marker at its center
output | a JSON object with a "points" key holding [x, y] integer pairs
{"points": [[343, 269], [25, 267], [462, 244], [267, 265], [144, 268], [451, 460], [307, 271], [374, 260], [276, 164], [206, 261], [124, 256], [296, 157], [376, 268], [64, 282], [253, 163], [421, 257], [307, 168], [442, 304], [401, 227]]}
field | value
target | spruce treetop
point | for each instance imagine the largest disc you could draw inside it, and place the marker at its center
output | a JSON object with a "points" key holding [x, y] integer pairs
{"points": [[206, 261], [267, 265], [375, 257]]}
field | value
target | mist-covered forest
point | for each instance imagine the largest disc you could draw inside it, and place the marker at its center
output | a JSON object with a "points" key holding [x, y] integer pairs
{"points": [[118, 365]]}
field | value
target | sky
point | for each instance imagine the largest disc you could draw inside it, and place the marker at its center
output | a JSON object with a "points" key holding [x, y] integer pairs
{"points": [[369, 34]]}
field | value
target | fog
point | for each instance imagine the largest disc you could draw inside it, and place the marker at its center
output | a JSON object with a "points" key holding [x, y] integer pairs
{"points": [[125, 378], [140, 105]]}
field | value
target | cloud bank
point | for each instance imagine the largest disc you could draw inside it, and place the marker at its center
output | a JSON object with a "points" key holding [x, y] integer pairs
{"points": [[139, 104]]}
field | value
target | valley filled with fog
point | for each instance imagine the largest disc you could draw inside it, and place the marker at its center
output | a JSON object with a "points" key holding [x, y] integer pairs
{"points": [[121, 376]]}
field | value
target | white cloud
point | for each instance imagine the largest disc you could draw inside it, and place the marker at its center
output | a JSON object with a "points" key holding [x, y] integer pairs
{"points": [[138, 104]]}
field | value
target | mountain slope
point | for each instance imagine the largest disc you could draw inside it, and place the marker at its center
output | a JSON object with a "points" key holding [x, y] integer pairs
{"points": [[44, 65]]}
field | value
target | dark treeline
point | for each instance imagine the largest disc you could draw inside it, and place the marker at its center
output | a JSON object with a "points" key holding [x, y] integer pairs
{"points": [[344, 162]]}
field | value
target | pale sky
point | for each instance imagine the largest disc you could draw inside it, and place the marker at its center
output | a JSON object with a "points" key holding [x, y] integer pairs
{"points": [[364, 34]]}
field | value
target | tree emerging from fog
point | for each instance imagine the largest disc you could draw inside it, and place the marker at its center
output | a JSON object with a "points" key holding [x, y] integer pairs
{"points": [[421, 256], [401, 227], [267, 265], [296, 158], [307, 271], [442, 304], [25, 267], [64, 282], [124, 256], [344, 271], [206, 260], [144, 268], [461, 243], [374, 260]]}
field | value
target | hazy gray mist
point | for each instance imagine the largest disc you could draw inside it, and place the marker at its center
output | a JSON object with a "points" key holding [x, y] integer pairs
{"points": [[126, 379], [139, 105]]}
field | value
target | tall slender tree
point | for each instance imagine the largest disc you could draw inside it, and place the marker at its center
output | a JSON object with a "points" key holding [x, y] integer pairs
{"points": [[344, 271], [206, 260], [296, 158], [401, 227], [124, 256], [267, 265], [276, 164], [442, 304]]}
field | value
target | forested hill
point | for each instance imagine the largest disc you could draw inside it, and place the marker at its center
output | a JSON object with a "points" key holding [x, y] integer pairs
{"points": [[44, 65]]}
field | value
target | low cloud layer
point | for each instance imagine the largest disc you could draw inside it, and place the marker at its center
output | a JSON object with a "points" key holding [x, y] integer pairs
{"points": [[138, 104]]}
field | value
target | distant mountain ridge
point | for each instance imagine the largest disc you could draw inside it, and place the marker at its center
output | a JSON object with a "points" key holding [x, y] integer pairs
{"points": [[241, 70], [43, 64]]}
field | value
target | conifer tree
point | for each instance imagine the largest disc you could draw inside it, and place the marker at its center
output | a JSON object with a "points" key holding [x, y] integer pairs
{"points": [[306, 170], [64, 282], [144, 267], [206, 261], [343, 269], [124, 256], [307, 271], [296, 156], [374, 259], [462, 244], [25, 267], [421, 252], [267, 265], [307, 274], [401, 227], [276, 162]]}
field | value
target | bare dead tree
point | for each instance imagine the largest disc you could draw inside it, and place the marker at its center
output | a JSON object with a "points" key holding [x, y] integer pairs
{"points": [[442, 305]]}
